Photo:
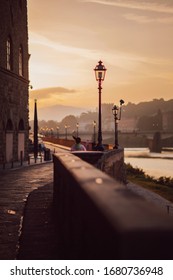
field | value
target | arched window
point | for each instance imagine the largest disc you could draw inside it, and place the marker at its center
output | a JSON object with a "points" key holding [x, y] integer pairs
{"points": [[20, 61], [9, 125], [9, 53], [21, 125]]}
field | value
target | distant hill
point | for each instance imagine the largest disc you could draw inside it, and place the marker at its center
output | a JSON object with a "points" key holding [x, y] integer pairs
{"points": [[131, 110], [147, 108], [57, 112]]}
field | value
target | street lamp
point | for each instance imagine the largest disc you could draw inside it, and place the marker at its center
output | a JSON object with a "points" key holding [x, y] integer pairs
{"points": [[35, 131], [65, 131], [117, 117], [94, 133], [52, 132], [57, 132], [100, 72], [77, 128]]}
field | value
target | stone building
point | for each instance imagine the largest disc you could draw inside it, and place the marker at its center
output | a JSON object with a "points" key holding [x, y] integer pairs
{"points": [[14, 125]]}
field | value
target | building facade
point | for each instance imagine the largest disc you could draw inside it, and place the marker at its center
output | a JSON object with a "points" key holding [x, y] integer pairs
{"points": [[14, 114]]}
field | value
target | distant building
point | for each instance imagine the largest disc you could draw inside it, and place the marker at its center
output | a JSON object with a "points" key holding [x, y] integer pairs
{"points": [[128, 124], [168, 121], [14, 126], [107, 117]]}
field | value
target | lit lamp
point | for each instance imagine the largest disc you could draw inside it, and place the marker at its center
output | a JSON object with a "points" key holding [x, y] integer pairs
{"points": [[100, 72], [57, 132], [116, 111], [94, 133], [77, 128], [65, 131]]}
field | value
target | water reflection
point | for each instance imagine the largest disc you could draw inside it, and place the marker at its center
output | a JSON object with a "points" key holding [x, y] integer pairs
{"points": [[153, 164]]}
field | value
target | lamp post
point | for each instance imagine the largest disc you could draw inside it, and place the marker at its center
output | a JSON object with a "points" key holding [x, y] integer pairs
{"points": [[100, 72], [117, 117], [65, 131], [35, 131], [57, 132], [77, 128], [52, 132], [43, 131], [94, 133]]}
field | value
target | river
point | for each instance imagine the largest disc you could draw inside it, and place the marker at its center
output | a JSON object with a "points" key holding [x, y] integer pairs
{"points": [[153, 164]]}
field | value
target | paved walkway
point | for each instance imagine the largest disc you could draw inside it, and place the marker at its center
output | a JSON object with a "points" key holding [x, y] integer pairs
{"points": [[15, 165], [15, 187], [26, 206]]}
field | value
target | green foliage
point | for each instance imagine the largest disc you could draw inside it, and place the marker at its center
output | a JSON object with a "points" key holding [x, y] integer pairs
{"points": [[131, 171], [134, 171], [162, 186]]}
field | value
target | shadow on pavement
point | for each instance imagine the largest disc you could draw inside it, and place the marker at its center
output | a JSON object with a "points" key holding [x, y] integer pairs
{"points": [[37, 240]]}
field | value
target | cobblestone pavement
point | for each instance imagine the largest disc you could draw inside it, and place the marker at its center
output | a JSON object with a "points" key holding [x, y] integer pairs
{"points": [[15, 186]]}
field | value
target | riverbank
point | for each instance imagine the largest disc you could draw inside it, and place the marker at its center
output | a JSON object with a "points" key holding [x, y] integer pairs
{"points": [[154, 164], [162, 186]]}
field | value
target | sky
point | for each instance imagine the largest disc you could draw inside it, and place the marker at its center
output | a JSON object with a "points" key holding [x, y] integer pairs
{"points": [[67, 38]]}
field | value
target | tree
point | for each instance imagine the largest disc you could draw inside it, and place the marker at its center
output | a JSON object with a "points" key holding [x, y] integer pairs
{"points": [[70, 121]]}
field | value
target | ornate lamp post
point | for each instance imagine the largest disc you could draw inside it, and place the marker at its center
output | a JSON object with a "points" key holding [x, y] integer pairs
{"points": [[100, 72], [77, 128], [117, 117], [94, 133]]}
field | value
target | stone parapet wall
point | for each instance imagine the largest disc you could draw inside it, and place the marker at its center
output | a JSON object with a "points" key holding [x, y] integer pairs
{"points": [[112, 163], [99, 218], [63, 142]]}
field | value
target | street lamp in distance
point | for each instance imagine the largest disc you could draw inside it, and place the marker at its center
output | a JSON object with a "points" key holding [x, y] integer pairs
{"points": [[100, 72], [77, 128], [66, 131], [116, 111], [57, 132]]}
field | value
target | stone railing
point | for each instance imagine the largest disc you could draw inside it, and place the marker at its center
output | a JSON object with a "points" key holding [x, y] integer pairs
{"points": [[98, 218], [110, 161]]}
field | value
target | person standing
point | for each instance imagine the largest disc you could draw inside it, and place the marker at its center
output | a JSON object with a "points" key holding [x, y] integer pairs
{"points": [[78, 146]]}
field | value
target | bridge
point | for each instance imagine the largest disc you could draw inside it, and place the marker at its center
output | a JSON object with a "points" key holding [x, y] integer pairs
{"points": [[97, 217]]}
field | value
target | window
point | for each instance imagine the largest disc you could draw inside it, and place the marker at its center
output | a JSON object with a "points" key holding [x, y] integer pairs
{"points": [[9, 54], [20, 61], [9, 125], [21, 125]]}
